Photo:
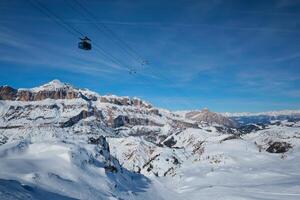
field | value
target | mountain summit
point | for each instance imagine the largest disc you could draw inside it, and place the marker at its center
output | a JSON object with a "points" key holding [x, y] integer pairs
{"points": [[53, 86], [206, 116]]}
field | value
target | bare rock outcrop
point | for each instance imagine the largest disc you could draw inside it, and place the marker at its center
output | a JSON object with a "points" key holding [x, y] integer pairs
{"points": [[124, 101], [82, 115], [123, 120], [8, 93], [278, 147], [52, 90], [26, 95]]}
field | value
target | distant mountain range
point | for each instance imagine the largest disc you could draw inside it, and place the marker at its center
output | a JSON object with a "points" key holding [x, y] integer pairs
{"points": [[263, 117]]}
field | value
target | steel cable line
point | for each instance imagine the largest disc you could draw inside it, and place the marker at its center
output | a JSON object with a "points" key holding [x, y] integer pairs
{"points": [[72, 30], [101, 48], [112, 58], [57, 19], [160, 76], [112, 35], [82, 13]]}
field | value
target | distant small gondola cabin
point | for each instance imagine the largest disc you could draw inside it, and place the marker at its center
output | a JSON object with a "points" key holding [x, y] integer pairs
{"points": [[85, 44]]}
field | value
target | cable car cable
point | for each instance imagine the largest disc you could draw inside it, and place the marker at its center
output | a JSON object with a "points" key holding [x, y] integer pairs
{"points": [[108, 32], [91, 20], [103, 51], [58, 19], [42, 8]]}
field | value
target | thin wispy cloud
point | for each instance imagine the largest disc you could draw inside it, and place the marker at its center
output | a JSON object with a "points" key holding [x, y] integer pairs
{"points": [[199, 52], [212, 26], [29, 51]]}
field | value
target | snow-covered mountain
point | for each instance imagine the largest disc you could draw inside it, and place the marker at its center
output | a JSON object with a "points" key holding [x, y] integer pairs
{"points": [[210, 118], [62, 142], [264, 117], [269, 113]]}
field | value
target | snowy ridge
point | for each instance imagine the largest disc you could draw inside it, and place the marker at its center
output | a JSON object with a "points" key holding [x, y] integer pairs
{"points": [[51, 86], [57, 85]]}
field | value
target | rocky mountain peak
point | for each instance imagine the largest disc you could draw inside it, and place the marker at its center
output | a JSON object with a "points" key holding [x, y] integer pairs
{"points": [[52, 90], [53, 85], [205, 110], [56, 89], [209, 117]]}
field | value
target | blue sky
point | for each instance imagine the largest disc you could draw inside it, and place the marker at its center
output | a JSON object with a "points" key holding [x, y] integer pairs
{"points": [[225, 55]]}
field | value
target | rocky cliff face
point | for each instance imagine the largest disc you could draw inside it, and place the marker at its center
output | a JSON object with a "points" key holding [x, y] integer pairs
{"points": [[57, 90], [8, 93], [124, 101], [41, 95]]}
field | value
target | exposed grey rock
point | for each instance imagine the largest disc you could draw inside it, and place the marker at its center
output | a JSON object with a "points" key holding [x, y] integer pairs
{"points": [[248, 128], [3, 139], [224, 129], [278, 147], [124, 101], [110, 168], [8, 93], [170, 142], [123, 120], [183, 124], [82, 115]]}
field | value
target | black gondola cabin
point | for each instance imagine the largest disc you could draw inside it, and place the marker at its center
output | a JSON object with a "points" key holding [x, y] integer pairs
{"points": [[85, 44]]}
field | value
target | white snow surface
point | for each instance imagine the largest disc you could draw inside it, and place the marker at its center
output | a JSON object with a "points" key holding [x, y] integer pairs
{"points": [[71, 169], [41, 159]]}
